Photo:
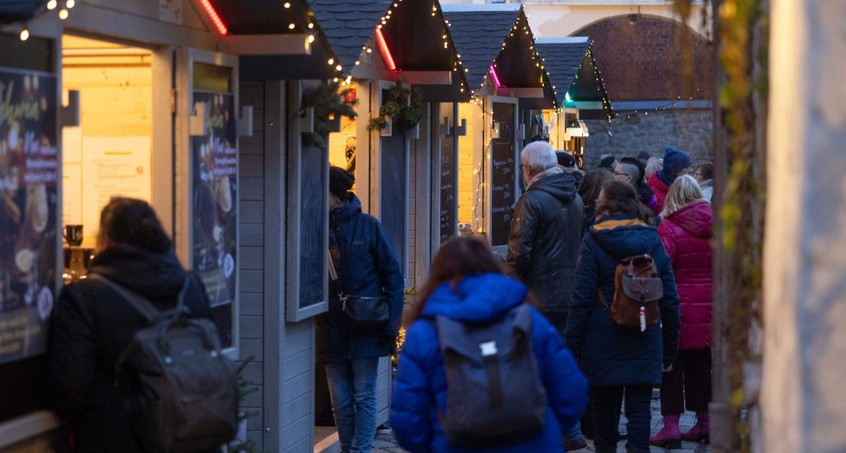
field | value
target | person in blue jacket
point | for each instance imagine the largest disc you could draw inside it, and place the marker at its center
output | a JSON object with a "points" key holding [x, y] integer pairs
{"points": [[618, 358], [366, 265], [466, 283]]}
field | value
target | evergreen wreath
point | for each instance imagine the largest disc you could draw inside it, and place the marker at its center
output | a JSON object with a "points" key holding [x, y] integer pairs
{"points": [[402, 106], [326, 101]]}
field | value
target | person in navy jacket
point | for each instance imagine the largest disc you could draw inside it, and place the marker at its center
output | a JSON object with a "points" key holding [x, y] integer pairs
{"points": [[616, 358], [466, 284], [366, 265]]}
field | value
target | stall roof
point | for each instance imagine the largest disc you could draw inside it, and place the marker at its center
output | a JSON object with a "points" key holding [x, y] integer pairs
{"points": [[498, 35], [562, 57], [348, 25], [19, 10]]}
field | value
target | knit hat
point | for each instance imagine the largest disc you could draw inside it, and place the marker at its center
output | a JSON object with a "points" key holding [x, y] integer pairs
{"points": [[565, 159], [340, 182], [674, 161]]}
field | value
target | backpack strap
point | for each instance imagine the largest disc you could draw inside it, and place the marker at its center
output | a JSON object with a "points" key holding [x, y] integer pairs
{"points": [[141, 303]]}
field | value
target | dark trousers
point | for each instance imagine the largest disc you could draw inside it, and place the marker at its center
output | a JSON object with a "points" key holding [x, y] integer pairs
{"points": [[688, 383], [606, 417]]}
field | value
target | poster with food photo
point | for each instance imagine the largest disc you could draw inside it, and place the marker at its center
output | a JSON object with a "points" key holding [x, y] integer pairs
{"points": [[215, 194], [29, 171]]}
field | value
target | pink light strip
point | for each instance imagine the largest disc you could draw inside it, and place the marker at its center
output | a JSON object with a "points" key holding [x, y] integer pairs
{"points": [[215, 18], [386, 52], [495, 77]]}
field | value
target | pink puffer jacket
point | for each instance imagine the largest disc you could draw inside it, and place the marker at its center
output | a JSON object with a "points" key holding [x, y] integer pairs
{"points": [[686, 235]]}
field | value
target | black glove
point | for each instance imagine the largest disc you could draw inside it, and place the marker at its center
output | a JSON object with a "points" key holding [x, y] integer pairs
{"points": [[668, 366]]}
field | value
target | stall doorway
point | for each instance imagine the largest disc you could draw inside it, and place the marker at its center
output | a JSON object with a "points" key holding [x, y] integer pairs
{"points": [[109, 152]]}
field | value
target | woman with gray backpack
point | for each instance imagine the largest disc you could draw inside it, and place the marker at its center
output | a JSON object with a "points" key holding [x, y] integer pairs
{"points": [[480, 369], [623, 347]]}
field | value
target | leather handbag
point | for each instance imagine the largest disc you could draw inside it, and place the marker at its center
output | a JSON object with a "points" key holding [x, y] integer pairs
{"points": [[368, 314], [363, 313]]}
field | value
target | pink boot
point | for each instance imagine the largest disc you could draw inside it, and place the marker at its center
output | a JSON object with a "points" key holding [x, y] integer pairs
{"points": [[700, 430], [669, 436]]}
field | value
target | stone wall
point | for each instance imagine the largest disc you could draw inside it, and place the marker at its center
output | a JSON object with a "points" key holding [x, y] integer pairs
{"points": [[688, 130]]}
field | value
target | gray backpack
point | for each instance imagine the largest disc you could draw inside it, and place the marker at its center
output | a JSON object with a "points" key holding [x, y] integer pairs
{"points": [[182, 391], [494, 391]]}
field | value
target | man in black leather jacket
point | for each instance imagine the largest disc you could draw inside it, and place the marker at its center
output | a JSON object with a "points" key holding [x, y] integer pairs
{"points": [[543, 245]]}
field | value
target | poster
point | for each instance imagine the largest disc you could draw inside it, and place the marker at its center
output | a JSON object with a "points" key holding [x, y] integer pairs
{"points": [[112, 166], [214, 190], [29, 171]]}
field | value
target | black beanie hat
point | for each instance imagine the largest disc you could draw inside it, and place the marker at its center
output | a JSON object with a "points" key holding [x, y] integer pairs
{"points": [[340, 182]]}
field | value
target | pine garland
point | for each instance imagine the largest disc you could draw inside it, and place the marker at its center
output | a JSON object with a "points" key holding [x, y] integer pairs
{"points": [[403, 108], [326, 101]]}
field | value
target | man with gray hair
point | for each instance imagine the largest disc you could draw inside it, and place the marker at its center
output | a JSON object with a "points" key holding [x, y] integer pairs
{"points": [[543, 245]]}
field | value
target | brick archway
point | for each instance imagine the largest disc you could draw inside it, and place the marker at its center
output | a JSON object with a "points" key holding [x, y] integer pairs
{"points": [[644, 59]]}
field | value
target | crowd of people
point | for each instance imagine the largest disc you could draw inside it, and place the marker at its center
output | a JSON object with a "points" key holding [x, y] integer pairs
{"points": [[570, 232], [541, 311]]}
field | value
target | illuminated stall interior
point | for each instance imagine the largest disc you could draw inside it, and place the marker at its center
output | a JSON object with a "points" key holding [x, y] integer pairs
{"points": [[109, 153], [496, 47]]}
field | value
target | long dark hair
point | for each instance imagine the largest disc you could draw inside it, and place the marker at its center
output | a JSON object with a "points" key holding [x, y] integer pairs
{"points": [[457, 258], [592, 183], [133, 221], [621, 198]]}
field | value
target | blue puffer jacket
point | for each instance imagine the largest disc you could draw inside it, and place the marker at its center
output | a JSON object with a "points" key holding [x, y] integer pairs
{"points": [[367, 266], [613, 355], [421, 380]]}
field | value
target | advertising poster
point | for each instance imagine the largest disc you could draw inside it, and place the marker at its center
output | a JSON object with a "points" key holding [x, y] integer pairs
{"points": [[215, 192], [29, 171]]}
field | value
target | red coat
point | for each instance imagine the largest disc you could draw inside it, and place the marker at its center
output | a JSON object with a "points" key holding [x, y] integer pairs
{"points": [[686, 235], [660, 188]]}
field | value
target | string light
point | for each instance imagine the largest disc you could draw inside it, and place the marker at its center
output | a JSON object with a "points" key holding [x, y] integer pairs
{"points": [[24, 34], [52, 4]]}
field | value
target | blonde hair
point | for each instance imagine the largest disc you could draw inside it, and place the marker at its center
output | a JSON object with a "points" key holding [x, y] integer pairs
{"points": [[683, 191]]}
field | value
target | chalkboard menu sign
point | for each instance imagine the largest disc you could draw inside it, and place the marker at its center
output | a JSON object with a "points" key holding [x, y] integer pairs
{"points": [[502, 176], [313, 244], [394, 197], [448, 187]]}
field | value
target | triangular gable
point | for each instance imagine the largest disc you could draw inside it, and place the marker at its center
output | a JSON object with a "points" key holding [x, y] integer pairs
{"points": [[479, 32], [588, 86], [348, 25], [562, 57]]}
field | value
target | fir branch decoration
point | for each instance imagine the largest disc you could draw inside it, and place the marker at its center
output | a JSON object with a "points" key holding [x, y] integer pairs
{"points": [[326, 101], [403, 108]]}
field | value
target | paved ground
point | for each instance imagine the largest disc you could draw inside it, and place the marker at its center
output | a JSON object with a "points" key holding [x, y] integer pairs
{"points": [[385, 442]]}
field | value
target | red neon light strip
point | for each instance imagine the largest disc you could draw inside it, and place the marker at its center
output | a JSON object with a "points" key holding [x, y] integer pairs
{"points": [[218, 23], [495, 77], [383, 47]]}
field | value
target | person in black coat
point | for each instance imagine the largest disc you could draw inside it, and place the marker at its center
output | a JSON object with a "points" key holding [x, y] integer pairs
{"points": [[616, 358], [93, 324], [366, 265], [543, 243]]}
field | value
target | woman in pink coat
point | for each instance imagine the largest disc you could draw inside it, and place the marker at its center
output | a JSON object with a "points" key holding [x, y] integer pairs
{"points": [[686, 233]]}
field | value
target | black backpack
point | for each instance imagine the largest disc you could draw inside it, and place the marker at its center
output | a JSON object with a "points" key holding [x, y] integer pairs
{"points": [[182, 392], [494, 392]]}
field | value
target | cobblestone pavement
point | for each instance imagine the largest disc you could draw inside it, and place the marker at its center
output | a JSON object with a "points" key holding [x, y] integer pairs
{"points": [[385, 442]]}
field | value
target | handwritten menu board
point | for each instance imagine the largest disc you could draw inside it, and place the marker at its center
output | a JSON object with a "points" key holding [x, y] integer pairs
{"points": [[214, 213], [394, 198], [449, 181], [313, 244], [502, 177], [29, 172]]}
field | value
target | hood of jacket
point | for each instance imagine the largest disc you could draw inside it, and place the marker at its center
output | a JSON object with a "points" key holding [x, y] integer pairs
{"points": [[153, 275], [695, 218], [557, 183], [351, 207], [623, 235], [477, 299]]}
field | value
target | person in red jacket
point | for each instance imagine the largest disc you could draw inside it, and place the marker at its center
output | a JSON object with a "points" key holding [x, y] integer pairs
{"points": [[676, 163], [686, 234]]}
